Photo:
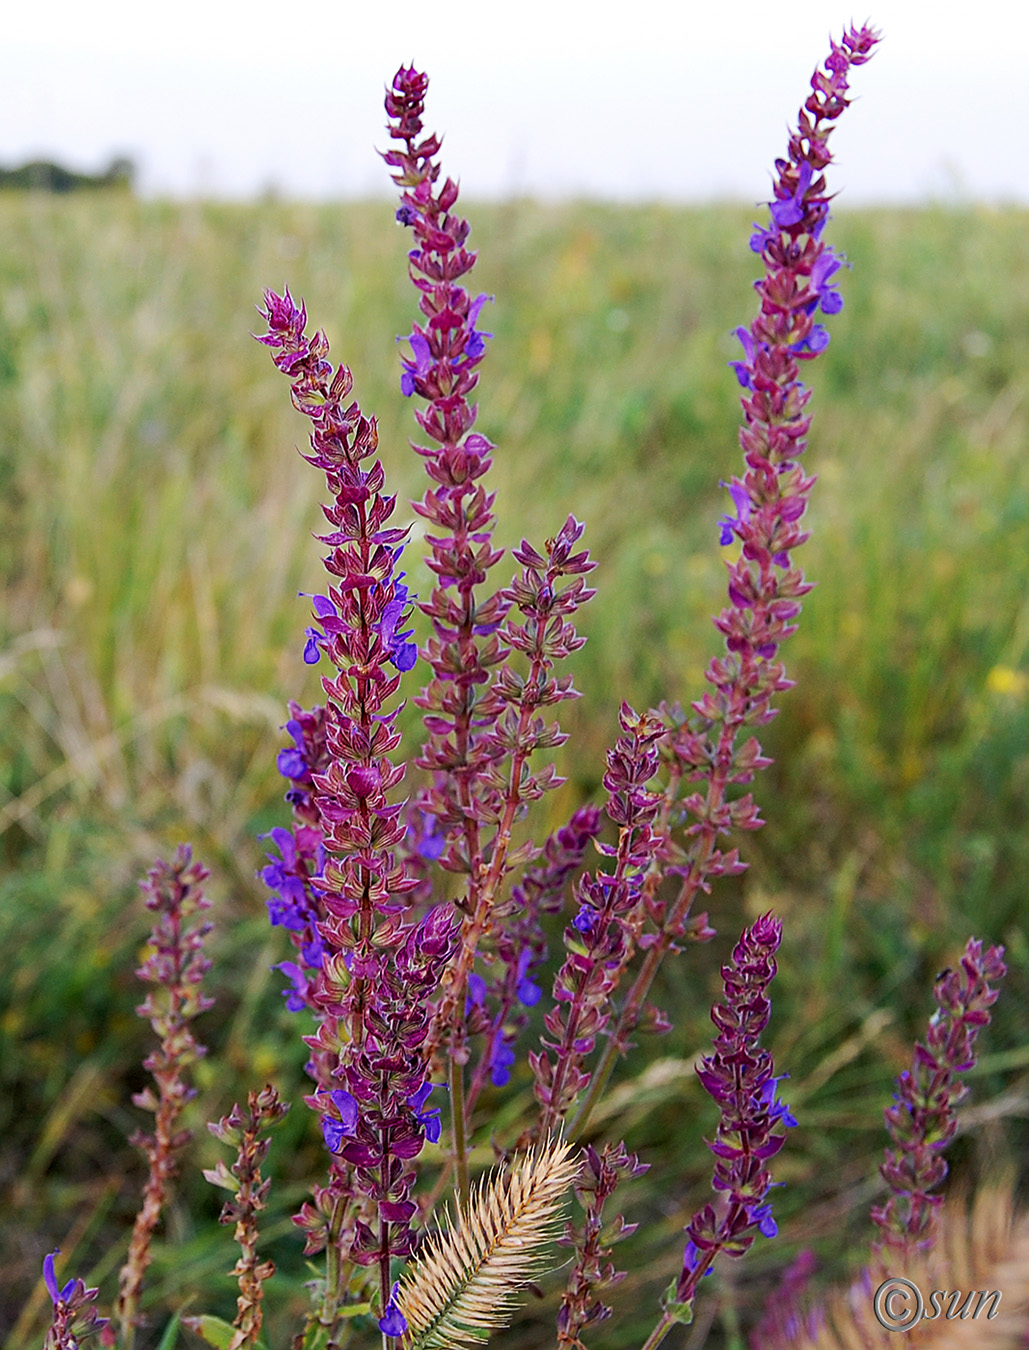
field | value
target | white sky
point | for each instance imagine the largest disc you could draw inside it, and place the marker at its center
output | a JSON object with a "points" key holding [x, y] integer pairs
{"points": [[615, 98]]}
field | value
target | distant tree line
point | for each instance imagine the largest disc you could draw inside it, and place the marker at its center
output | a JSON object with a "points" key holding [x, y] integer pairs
{"points": [[43, 175]]}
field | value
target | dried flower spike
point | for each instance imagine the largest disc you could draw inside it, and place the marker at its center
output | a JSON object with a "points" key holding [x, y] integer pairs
{"points": [[247, 1132], [175, 967], [592, 1270]]}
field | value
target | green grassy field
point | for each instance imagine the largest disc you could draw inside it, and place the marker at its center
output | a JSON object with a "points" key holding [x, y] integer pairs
{"points": [[154, 531]]}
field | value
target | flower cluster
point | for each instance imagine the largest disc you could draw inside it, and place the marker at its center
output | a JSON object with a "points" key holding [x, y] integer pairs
{"points": [[495, 1006], [380, 1118], [546, 604], [404, 970], [446, 350], [738, 1075], [361, 877], [492, 651], [771, 497], [601, 937], [921, 1122]]}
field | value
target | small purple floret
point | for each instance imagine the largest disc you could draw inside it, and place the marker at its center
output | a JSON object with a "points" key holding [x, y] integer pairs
{"points": [[790, 211], [429, 1120], [393, 1322], [50, 1279], [419, 366], [503, 1058], [335, 1131], [585, 919], [295, 997], [741, 500]]}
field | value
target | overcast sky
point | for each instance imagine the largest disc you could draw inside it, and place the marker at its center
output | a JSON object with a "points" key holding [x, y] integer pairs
{"points": [[635, 99]]}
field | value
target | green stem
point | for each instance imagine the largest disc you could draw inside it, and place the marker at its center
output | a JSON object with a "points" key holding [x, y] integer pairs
{"points": [[460, 1138], [659, 1333], [333, 1263]]}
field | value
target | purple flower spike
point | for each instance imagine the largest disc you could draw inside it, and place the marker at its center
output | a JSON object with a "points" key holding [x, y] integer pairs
{"points": [[480, 717], [738, 1075]]}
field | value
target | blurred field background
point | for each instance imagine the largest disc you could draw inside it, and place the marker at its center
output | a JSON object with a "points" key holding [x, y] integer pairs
{"points": [[155, 529]]}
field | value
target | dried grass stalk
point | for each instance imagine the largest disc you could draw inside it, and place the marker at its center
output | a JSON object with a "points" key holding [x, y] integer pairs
{"points": [[465, 1280]]}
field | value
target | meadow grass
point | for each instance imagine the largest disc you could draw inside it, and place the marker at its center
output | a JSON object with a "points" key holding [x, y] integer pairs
{"points": [[155, 529]]}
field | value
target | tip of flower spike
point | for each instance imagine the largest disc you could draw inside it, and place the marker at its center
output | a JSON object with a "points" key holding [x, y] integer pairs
{"points": [[50, 1279]]}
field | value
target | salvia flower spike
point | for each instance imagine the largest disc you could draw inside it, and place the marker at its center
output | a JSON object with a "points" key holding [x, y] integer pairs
{"points": [[482, 714], [922, 1120], [706, 749], [247, 1132], [371, 992], [740, 1076]]}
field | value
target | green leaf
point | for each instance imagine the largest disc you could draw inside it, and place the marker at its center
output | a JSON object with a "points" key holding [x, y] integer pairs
{"points": [[171, 1333], [214, 1330], [679, 1312], [220, 1175]]}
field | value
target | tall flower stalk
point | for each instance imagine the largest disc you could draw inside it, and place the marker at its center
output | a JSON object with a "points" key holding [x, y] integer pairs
{"points": [[482, 713], [372, 986], [708, 746]]}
